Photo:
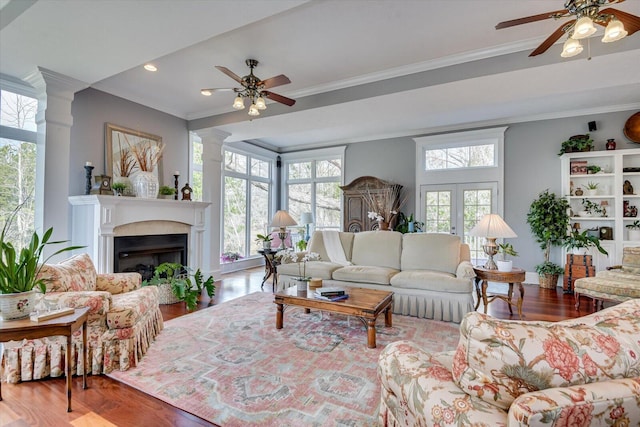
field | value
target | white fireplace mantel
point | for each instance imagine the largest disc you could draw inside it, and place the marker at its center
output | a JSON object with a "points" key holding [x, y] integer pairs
{"points": [[95, 218]]}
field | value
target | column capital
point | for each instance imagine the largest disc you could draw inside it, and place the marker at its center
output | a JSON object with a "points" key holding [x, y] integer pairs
{"points": [[47, 82], [212, 135]]}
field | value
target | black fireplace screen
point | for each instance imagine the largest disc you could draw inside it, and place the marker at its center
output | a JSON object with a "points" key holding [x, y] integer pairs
{"points": [[142, 254]]}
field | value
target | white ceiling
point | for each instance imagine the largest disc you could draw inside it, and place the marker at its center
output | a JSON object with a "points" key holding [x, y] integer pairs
{"points": [[360, 69]]}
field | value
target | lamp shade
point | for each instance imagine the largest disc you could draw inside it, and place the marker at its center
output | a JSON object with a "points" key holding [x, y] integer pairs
{"points": [[571, 47], [492, 225], [614, 31], [584, 28], [306, 218], [282, 219]]}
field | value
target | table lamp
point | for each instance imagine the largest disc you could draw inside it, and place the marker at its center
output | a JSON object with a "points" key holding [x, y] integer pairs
{"points": [[491, 227], [282, 219], [305, 219]]}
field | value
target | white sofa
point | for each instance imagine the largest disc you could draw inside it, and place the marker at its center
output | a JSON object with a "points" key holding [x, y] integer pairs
{"points": [[430, 274]]}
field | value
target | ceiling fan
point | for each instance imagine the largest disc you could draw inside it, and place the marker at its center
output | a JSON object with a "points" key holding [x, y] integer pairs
{"points": [[253, 89], [585, 13]]}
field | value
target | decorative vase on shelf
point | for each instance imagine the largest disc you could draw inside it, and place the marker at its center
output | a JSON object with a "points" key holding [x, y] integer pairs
{"points": [[301, 284], [634, 234], [383, 225], [146, 185], [611, 144]]}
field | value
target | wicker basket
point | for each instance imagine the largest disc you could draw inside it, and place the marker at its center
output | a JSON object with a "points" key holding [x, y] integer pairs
{"points": [[165, 294], [548, 281]]}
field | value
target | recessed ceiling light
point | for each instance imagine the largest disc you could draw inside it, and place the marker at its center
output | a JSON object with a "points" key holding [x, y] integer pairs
{"points": [[150, 67]]}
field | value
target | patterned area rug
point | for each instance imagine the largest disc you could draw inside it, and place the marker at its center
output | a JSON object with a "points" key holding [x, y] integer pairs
{"points": [[229, 365]]}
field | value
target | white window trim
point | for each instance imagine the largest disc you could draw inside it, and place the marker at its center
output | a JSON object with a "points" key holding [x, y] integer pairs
{"points": [[461, 175]]}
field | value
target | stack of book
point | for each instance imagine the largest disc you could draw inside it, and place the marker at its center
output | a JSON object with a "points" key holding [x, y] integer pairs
{"points": [[331, 294]]}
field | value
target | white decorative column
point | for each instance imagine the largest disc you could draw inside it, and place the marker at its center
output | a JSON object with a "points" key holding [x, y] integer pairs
{"points": [[55, 94], [212, 141]]}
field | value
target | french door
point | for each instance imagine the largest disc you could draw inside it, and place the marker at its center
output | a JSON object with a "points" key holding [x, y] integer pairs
{"points": [[456, 208]]}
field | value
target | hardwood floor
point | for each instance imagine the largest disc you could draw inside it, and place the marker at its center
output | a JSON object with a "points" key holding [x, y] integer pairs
{"points": [[107, 402]]}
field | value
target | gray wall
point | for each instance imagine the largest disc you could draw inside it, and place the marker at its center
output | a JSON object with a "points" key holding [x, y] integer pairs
{"points": [[92, 108], [389, 159]]}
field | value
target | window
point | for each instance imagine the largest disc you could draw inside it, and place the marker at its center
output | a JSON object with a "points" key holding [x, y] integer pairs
{"points": [[196, 166], [312, 181], [18, 163], [470, 156], [247, 198]]}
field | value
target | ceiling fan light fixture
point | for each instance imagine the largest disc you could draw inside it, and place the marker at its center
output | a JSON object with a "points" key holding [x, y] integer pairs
{"points": [[583, 28], [238, 103], [572, 47], [260, 104], [614, 31], [206, 92], [253, 110]]}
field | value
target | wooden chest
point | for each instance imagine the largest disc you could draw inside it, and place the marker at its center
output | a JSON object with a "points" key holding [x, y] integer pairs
{"points": [[577, 267]]}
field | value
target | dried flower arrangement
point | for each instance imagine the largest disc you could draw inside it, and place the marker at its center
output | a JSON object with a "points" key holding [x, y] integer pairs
{"points": [[384, 204], [147, 154], [126, 163]]}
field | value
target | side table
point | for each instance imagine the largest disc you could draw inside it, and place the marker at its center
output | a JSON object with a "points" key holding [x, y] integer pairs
{"points": [[516, 275], [15, 330], [270, 267]]}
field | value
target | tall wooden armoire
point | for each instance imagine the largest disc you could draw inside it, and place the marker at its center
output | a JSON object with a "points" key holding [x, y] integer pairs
{"points": [[355, 205]]}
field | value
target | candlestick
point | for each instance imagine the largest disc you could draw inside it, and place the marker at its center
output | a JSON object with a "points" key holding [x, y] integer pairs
{"points": [[176, 174], [88, 171]]}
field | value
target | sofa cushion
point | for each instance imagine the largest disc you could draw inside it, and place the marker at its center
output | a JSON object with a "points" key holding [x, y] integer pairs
{"points": [[379, 248], [73, 274], [316, 244], [315, 269], [498, 360], [631, 260], [431, 281], [430, 251], [127, 309], [365, 274]]}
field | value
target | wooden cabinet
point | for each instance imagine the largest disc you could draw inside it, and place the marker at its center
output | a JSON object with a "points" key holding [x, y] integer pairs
{"points": [[355, 204], [617, 191]]}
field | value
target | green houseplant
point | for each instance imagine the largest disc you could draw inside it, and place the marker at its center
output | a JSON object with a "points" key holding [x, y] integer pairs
{"points": [[265, 240], [19, 270], [118, 188], [184, 286], [576, 143], [549, 221], [166, 192], [580, 242], [504, 264], [634, 230]]}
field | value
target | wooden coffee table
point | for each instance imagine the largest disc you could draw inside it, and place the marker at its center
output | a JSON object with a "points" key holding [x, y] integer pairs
{"points": [[365, 304]]}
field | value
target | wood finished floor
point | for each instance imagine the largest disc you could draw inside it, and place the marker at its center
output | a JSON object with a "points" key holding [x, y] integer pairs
{"points": [[107, 402]]}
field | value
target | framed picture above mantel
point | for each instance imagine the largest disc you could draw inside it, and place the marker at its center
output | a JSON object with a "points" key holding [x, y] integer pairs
{"points": [[127, 151]]}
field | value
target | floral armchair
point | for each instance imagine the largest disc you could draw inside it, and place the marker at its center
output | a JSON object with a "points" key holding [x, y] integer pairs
{"points": [[124, 319], [579, 372]]}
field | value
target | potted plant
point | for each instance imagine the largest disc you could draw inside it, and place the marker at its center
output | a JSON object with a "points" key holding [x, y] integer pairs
{"points": [[118, 188], [265, 240], [184, 286], [505, 264], [19, 271], [166, 192], [287, 257], [590, 208], [549, 220], [576, 143], [593, 169], [591, 189], [407, 224], [230, 256], [579, 243], [634, 230]]}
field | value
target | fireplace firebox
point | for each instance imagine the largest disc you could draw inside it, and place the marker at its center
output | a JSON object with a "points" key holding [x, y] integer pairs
{"points": [[142, 254]]}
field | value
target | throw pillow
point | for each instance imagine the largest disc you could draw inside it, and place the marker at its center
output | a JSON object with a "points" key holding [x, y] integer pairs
{"points": [[74, 274], [631, 260]]}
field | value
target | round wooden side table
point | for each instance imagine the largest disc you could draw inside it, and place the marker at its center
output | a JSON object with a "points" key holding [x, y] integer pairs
{"points": [[516, 275]]}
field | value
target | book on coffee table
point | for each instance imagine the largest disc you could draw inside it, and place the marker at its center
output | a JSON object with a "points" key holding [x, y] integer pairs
{"points": [[330, 291], [332, 298]]}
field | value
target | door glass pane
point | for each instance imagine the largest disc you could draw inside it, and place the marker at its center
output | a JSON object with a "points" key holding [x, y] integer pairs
{"points": [[235, 162], [299, 170], [259, 213], [476, 204], [259, 168], [328, 168], [438, 211], [299, 200], [235, 200], [328, 206]]}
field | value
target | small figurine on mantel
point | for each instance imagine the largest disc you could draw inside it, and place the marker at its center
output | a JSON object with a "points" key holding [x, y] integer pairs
{"points": [[186, 192]]}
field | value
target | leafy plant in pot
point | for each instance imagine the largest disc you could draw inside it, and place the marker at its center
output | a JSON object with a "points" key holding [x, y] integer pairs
{"points": [[579, 243], [19, 271], [184, 286], [265, 240], [576, 143], [166, 192], [549, 221], [505, 264], [634, 230]]}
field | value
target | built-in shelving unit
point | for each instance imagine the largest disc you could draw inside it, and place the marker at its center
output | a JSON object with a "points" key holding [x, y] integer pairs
{"points": [[616, 168]]}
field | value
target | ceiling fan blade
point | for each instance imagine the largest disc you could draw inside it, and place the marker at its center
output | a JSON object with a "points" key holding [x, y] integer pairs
{"points": [[533, 18], [274, 81], [219, 89], [229, 73], [631, 22], [552, 39], [279, 98]]}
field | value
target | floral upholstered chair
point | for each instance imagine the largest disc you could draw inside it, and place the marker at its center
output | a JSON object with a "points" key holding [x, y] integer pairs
{"points": [[124, 319], [579, 372]]}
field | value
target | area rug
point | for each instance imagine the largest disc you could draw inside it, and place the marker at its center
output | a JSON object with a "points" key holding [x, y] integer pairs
{"points": [[229, 365]]}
